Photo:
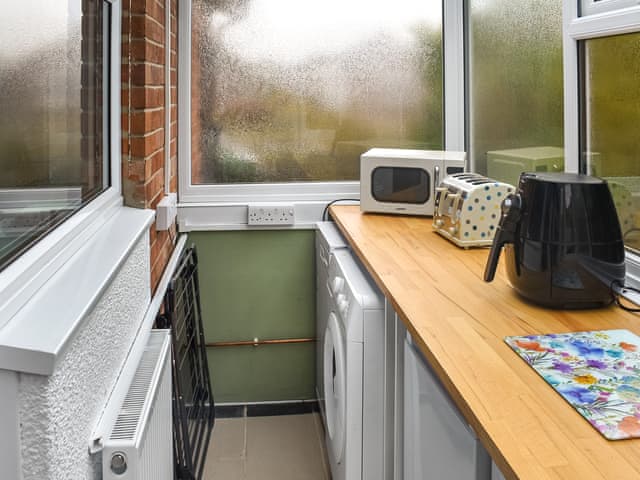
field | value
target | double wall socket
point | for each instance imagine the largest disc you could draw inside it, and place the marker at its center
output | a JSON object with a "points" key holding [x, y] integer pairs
{"points": [[271, 214]]}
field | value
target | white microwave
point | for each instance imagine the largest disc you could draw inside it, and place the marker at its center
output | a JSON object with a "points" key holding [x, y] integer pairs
{"points": [[404, 181]]}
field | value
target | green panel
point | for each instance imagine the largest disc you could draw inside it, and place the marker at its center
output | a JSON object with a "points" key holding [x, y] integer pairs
{"points": [[264, 373], [258, 284]]}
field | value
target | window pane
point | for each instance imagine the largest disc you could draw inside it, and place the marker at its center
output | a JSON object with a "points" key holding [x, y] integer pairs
{"points": [[285, 90], [52, 127], [516, 104], [612, 116]]}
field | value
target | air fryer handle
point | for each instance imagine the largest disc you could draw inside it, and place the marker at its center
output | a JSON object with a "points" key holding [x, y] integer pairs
{"points": [[494, 255], [505, 233]]}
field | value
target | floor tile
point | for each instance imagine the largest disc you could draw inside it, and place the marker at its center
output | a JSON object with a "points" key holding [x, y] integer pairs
{"points": [[320, 435], [230, 469], [228, 440], [283, 448]]}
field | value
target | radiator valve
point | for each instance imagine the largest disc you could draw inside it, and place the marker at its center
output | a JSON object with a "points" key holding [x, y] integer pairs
{"points": [[118, 463]]}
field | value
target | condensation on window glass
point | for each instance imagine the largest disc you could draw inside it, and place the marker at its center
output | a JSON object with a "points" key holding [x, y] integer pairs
{"points": [[516, 87], [284, 90], [52, 138], [612, 116]]}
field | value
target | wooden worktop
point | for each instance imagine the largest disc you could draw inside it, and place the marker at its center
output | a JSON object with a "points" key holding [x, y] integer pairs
{"points": [[459, 322]]}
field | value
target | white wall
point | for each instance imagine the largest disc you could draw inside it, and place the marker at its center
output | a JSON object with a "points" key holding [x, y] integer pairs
{"points": [[58, 413]]}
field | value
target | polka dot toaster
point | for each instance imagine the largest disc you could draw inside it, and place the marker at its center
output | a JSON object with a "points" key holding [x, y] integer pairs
{"points": [[467, 208]]}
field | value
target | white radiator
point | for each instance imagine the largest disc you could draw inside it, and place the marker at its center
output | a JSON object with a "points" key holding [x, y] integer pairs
{"points": [[138, 445]]}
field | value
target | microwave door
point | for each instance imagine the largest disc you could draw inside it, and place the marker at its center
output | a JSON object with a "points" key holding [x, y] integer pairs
{"points": [[401, 185]]}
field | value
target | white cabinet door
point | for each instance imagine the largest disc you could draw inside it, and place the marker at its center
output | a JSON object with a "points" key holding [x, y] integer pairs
{"points": [[394, 333], [496, 474], [438, 443]]}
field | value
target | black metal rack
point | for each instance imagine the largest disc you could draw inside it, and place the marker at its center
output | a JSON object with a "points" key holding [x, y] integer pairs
{"points": [[193, 407]]}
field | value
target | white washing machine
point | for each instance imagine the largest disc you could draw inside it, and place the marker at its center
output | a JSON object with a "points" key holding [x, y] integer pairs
{"points": [[353, 366], [328, 239]]}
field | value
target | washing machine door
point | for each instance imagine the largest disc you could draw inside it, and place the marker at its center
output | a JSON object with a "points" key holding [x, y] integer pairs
{"points": [[335, 385]]}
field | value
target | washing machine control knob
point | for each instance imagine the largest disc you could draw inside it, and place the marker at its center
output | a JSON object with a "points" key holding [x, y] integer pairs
{"points": [[336, 286]]}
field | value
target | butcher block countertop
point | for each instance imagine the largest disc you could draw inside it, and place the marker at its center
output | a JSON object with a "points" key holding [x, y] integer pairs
{"points": [[459, 322]]}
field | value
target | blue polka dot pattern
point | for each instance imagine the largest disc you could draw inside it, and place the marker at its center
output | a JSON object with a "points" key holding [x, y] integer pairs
{"points": [[478, 212]]}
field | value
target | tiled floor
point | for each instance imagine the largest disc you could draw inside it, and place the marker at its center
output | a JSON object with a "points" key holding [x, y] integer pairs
{"points": [[286, 447]]}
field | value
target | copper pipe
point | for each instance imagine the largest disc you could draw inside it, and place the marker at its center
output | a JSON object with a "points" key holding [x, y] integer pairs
{"points": [[255, 342]]}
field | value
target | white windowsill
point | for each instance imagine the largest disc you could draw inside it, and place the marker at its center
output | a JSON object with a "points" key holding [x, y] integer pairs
{"points": [[35, 335]]}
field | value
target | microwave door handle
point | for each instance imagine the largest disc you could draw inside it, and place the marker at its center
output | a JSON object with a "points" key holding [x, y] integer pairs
{"points": [[436, 178]]}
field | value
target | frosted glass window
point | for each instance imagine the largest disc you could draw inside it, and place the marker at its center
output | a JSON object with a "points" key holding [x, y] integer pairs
{"points": [[611, 136], [53, 104], [515, 87], [294, 91]]}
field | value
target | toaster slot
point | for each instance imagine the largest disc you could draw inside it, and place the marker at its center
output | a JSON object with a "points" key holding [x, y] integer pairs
{"points": [[465, 176]]}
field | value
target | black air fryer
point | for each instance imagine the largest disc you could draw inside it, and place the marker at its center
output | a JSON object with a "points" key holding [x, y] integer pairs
{"points": [[562, 239]]}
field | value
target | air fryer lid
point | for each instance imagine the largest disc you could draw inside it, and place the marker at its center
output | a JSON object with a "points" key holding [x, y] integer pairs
{"points": [[568, 209]]}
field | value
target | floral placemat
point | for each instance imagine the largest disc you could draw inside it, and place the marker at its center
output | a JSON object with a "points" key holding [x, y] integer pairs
{"points": [[597, 372]]}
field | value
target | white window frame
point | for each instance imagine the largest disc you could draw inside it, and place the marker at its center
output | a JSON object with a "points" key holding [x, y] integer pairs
{"points": [[20, 280], [224, 206], [610, 17], [591, 7]]}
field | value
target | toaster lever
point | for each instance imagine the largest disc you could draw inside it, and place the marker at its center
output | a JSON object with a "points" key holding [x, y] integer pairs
{"points": [[455, 202], [441, 195]]}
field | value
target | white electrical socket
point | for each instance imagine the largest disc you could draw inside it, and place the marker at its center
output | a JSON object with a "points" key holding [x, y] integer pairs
{"points": [[271, 214]]}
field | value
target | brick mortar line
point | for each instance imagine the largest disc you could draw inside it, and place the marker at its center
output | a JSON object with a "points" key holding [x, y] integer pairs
{"points": [[145, 159], [141, 110], [145, 62], [149, 40], [156, 262], [148, 134], [156, 151], [150, 87], [153, 154], [155, 174], [147, 109], [146, 15], [160, 193]]}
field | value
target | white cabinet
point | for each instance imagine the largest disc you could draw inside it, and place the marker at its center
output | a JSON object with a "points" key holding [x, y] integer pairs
{"points": [[496, 474], [393, 394], [438, 442]]}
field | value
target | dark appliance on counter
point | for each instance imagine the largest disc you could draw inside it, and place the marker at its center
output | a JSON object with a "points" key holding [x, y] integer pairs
{"points": [[562, 239]]}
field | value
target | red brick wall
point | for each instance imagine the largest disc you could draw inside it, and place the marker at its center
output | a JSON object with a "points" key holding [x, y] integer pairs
{"points": [[143, 115]]}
